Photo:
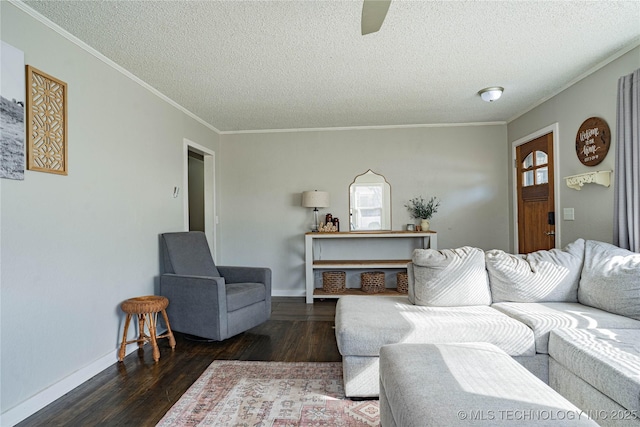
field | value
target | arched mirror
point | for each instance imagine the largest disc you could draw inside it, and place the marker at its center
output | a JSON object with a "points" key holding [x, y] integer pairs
{"points": [[369, 203]]}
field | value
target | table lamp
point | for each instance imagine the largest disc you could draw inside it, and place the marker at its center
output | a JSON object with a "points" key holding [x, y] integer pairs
{"points": [[315, 199]]}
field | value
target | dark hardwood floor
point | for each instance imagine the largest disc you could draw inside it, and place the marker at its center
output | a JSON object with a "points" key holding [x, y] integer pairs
{"points": [[138, 392]]}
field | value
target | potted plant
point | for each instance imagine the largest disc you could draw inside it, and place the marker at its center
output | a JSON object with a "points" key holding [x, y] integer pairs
{"points": [[421, 209]]}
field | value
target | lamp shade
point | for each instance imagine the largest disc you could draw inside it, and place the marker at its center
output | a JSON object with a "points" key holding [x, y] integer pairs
{"points": [[315, 199]]}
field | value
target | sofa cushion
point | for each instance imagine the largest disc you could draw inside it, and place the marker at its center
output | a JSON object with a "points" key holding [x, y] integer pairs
{"points": [[607, 359], [366, 323], [544, 317], [611, 279], [449, 278], [241, 295], [466, 384], [542, 276]]}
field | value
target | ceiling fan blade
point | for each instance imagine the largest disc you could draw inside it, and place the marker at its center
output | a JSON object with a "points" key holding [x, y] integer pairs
{"points": [[373, 14]]}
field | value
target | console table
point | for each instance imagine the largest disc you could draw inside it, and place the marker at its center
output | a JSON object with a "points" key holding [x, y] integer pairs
{"points": [[314, 259]]}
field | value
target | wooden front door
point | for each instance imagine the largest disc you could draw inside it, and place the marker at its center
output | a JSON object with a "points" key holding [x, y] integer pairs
{"points": [[535, 183]]}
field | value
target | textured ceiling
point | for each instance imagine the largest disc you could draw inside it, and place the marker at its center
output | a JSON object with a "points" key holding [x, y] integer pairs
{"points": [[257, 65]]}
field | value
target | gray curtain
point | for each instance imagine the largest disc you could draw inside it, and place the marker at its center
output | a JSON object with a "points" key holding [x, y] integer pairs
{"points": [[626, 222]]}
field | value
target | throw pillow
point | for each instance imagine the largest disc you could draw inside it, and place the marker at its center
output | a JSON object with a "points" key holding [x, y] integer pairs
{"points": [[542, 276], [611, 279], [449, 277]]}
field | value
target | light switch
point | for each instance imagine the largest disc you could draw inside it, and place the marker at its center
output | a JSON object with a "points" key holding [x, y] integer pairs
{"points": [[568, 214]]}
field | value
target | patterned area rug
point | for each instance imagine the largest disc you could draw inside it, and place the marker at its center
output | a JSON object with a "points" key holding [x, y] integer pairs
{"points": [[278, 394]]}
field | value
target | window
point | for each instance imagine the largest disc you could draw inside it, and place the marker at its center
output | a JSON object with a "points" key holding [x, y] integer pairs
{"points": [[528, 161], [535, 169], [541, 158], [542, 176]]}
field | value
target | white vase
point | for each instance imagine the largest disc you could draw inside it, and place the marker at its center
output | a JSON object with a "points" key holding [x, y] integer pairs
{"points": [[424, 224]]}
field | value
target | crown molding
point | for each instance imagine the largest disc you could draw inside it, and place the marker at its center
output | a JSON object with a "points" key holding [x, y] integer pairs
{"points": [[67, 35], [383, 127]]}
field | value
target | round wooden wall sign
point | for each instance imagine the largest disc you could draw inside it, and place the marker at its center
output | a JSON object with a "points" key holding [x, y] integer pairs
{"points": [[593, 141]]}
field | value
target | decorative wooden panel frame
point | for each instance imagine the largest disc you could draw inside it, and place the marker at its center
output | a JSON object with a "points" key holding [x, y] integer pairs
{"points": [[47, 123]]}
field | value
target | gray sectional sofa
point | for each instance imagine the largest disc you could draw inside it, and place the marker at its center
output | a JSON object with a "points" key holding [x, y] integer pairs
{"points": [[570, 316]]}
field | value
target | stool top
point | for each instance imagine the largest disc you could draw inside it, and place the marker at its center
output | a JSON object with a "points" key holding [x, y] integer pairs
{"points": [[145, 304]]}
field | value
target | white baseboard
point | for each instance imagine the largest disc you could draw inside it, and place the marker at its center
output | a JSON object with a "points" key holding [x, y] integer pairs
{"points": [[32, 405], [292, 293]]}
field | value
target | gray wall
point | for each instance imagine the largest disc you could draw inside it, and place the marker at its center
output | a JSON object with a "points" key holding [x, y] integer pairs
{"points": [[595, 95], [73, 247], [262, 222]]}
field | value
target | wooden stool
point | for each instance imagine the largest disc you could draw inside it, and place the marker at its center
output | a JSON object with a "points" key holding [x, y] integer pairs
{"points": [[147, 309]]}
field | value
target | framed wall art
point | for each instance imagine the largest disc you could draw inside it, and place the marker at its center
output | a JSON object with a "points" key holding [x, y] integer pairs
{"points": [[12, 97], [593, 141], [47, 123]]}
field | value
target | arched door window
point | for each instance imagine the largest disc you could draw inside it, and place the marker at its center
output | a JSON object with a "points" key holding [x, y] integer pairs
{"points": [[535, 169]]}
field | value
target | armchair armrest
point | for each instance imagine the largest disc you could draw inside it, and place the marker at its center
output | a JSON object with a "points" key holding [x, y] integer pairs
{"points": [[233, 274], [189, 278], [197, 304]]}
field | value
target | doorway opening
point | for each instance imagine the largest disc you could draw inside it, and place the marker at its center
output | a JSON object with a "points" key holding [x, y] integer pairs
{"points": [[196, 191], [536, 191], [199, 192]]}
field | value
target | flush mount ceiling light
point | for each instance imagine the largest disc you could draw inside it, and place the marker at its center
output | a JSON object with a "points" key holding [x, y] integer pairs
{"points": [[490, 94]]}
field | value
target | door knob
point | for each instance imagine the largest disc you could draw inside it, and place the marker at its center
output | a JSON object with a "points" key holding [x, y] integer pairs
{"points": [[550, 233]]}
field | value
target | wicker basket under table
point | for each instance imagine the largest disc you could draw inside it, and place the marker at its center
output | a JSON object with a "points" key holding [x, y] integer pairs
{"points": [[372, 282], [334, 282], [403, 282]]}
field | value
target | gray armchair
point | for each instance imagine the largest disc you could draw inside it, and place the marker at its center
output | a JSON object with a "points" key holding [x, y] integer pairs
{"points": [[206, 300]]}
